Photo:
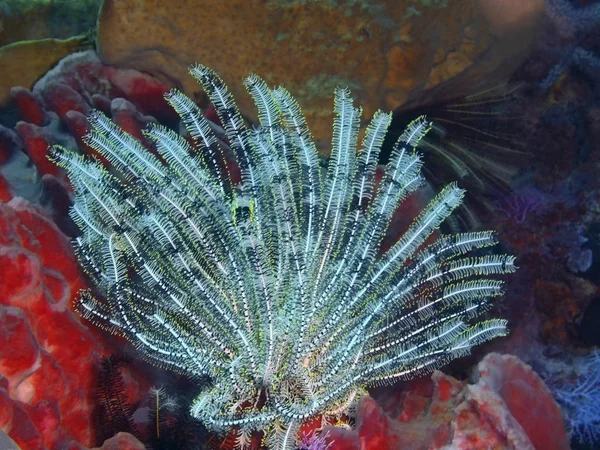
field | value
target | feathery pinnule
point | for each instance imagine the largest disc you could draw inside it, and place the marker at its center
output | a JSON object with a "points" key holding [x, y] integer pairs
{"points": [[275, 287]]}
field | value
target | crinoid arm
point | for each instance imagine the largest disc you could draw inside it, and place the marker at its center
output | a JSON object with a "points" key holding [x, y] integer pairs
{"points": [[275, 287]]}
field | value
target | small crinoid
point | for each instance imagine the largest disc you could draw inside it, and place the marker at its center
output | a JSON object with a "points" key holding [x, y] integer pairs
{"points": [[275, 287]]}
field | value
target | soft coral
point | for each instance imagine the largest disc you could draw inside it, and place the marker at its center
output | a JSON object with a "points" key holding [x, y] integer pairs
{"points": [[580, 400]]}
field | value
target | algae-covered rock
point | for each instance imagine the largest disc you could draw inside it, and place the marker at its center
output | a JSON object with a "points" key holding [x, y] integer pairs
{"points": [[386, 51], [24, 62], [28, 20]]}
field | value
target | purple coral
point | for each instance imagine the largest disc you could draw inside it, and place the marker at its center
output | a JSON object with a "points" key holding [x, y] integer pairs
{"points": [[521, 203], [580, 399], [570, 18]]}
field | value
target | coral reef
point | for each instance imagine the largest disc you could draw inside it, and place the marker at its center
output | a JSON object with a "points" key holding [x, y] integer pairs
{"points": [[548, 216]]}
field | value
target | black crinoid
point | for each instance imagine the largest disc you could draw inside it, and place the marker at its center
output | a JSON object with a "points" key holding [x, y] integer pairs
{"points": [[476, 139], [113, 413], [275, 286], [169, 425]]}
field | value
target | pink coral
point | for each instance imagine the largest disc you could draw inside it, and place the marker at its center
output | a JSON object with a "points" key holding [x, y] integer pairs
{"points": [[509, 407]]}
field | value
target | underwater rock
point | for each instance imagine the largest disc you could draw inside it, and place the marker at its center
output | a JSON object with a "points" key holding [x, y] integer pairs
{"points": [[121, 441], [383, 50]]}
